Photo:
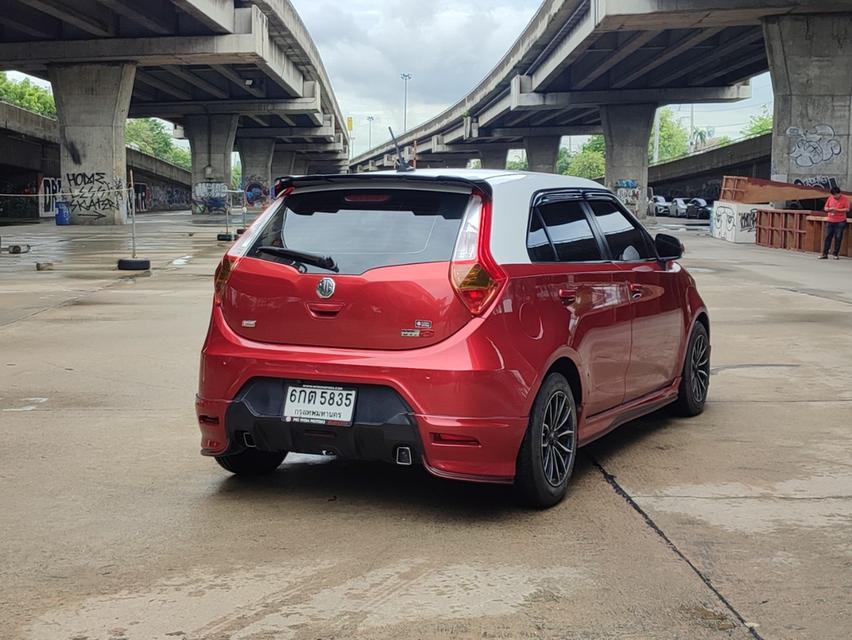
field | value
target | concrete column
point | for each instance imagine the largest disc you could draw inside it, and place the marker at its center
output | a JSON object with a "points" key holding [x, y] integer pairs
{"points": [[627, 131], [493, 158], [282, 163], [810, 57], [211, 139], [542, 152], [300, 166], [256, 161], [461, 163], [92, 102]]}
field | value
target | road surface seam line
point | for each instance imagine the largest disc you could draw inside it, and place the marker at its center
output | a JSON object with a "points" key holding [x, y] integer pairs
{"points": [[658, 497], [611, 480]]}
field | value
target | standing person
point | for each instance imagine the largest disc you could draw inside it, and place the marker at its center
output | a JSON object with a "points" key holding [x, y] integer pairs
{"points": [[837, 207]]}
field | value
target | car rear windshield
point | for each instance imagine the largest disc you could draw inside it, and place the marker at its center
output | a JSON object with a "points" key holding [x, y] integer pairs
{"points": [[364, 229]]}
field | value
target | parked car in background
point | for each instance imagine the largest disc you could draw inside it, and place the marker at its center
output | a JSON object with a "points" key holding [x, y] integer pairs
{"points": [[677, 208], [482, 324], [658, 206], [698, 208]]}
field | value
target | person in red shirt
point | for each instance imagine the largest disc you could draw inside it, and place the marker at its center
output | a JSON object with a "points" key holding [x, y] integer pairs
{"points": [[837, 208]]}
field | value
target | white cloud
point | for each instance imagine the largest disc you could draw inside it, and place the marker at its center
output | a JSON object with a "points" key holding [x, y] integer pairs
{"points": [[447, 45]]}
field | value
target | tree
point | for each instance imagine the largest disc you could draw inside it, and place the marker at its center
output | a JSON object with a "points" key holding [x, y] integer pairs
{"points": [[237, 175], [759, 124], [27, 95], [587, 163], [563, 161], [150, 136], [517, 165], [674, 137]]}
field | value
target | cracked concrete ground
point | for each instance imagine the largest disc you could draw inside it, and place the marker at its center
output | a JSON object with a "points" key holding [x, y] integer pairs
{"points": [[734, 524]]}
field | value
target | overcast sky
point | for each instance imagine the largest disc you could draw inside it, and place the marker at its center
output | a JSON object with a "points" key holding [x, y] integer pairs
{"points": [[448, 46]]}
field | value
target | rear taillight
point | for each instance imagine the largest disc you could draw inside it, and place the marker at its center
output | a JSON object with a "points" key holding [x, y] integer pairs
{"points": [[220, 280], [475, 276]]}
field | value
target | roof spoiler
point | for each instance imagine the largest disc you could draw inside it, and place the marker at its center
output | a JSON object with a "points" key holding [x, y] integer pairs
{"points": [[284, 183]]}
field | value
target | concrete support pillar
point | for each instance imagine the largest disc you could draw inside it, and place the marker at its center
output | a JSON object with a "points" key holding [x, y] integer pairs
{"points": [[300, 166], [627, 130], [810, 57], [461, 163], [493, 158], [211, 139], [542, 152], [256, 161], [282, 163], [92, 102]]}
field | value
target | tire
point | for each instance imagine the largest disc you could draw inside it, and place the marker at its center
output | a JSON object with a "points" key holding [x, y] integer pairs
{"points": [[252, 462], [134, 264], [695, 378], [545, 461]]}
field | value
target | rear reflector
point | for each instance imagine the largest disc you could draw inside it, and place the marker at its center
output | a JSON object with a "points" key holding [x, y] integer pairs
{"points": [[453, 438]]}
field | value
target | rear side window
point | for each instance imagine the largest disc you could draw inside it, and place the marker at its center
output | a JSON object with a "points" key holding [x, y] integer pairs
{"points": [[626, 242], [560, 232], [366, 228]]}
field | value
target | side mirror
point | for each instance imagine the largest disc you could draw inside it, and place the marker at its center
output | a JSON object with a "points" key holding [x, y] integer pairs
{"points": [[668, 247]]}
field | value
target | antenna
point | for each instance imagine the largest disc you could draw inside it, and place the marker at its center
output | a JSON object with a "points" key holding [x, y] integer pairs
{"points": [[401, 164]]}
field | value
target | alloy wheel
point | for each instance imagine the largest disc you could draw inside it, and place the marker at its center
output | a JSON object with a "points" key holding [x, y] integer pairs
{"points": [[700, 368], [557, 439]]}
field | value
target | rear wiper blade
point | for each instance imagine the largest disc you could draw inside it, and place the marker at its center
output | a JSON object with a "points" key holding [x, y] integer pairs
{"points": [[323, 262]]}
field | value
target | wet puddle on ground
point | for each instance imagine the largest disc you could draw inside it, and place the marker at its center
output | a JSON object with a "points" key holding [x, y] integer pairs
{"points": [[283, 601]]}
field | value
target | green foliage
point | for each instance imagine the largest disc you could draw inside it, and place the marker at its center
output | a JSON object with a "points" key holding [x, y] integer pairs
{"points": [[589, 162], [237, 175], [674, 137], [150, 136], [27, 95], [759, 124], [517, 165], [563, 161]]}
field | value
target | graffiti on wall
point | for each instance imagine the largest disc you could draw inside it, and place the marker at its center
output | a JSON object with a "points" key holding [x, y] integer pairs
{"points": [[50, 188], [734, 223], [209, 197], [630, 194], [92, 193], [823, 182], [257, 193], [810, 147]]}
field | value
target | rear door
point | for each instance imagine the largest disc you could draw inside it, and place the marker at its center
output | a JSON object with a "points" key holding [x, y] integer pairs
{"points": [[584, 300], [655, 299], [392, 248]]}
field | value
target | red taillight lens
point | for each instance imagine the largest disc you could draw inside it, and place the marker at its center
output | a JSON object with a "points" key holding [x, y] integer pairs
{"points": [[474, 274], [220, 280]]}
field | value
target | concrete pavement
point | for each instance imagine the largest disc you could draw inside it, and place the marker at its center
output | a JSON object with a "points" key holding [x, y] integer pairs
{"points": [[734, 524]]}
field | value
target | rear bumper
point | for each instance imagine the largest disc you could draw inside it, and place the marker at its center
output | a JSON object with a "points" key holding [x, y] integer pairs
{"points": [[457, 396]]}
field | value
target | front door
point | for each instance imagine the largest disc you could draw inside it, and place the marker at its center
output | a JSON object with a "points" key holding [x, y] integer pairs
{"points": [[582, 296], [657, 314]]}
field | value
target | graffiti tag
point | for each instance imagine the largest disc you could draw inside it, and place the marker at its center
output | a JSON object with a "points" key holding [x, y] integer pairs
{"points": [[810, 147]]}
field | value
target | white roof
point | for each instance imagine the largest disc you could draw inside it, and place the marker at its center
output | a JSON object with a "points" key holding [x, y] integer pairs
{"points": [[529, 179]]}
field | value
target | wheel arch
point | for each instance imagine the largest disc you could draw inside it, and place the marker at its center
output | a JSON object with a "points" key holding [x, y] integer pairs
{"points": [[565, 366]]}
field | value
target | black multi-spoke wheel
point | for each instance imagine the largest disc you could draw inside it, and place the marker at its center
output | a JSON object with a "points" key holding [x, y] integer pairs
{"points": [[557, 438], [547, 454], [695, 381]]}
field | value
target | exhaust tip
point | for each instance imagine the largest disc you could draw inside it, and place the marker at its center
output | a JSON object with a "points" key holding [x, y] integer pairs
{"points": [[403, 456], [248, 441]]}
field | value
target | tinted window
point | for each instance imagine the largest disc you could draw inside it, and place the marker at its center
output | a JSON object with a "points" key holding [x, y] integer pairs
{"points": [[569, 232], [365, 229], [625, 241]]}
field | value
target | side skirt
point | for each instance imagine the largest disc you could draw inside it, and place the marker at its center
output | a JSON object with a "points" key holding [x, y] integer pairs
{"points": [[599, 425]]}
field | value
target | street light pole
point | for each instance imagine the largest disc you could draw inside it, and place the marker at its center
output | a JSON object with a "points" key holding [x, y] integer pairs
{"points": [[405, 78], [370, 134]]}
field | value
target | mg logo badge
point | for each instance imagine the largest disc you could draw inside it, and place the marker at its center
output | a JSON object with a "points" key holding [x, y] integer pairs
{"points": [[325, 288]]}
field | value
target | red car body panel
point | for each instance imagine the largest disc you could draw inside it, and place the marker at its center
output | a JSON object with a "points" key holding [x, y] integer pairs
{"points": [[471, 381]]}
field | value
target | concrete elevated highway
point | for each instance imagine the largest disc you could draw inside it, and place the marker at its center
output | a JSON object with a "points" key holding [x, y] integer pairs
{"points": [[241, 73], [605, 66]]}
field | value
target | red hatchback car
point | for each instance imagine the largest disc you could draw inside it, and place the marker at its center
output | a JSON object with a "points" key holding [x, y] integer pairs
{"points": [[484, 324]]}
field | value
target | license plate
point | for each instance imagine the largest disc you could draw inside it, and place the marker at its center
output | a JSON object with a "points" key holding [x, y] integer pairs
{"points": [[312, 404]]}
